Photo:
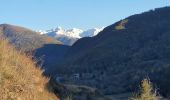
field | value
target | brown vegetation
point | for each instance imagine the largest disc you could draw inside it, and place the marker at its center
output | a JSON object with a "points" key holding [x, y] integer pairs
{"points": [[23, 38], [121, 24], [20, 79]]}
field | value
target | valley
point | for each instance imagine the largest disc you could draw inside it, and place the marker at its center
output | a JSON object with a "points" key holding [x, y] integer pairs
{"points": [[127, 60]]}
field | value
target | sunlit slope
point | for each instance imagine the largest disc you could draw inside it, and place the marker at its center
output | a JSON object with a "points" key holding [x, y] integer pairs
{"points": [[23, 38], [20, 79]]}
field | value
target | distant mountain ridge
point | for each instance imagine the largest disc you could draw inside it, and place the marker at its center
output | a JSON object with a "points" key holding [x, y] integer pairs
{"points": [[23, 38], [70, 36]]}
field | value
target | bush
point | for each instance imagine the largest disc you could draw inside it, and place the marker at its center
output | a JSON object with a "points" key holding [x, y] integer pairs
{"points": [[146, 91]]}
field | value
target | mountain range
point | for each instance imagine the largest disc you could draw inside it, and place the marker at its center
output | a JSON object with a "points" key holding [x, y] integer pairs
{"points": [[120, 56], [69, 37], [112, 61]]}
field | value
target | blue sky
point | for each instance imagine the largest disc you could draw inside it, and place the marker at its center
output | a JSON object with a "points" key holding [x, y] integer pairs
{"points": [[84, 14]]}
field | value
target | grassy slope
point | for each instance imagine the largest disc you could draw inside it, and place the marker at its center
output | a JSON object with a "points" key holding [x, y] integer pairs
{"points": [[20, 79]]}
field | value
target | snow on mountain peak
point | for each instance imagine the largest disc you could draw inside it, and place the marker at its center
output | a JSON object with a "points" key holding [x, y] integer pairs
{"points": [[70, 34], [41, 32], [91, 32], [75, 32]]}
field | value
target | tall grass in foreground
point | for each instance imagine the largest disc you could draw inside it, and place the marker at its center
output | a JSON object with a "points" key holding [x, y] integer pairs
{"points": [[20, 79], [146, 92]]}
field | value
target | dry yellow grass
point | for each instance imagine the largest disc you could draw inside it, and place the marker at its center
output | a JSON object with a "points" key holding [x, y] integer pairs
{"points": [[20, 79]]}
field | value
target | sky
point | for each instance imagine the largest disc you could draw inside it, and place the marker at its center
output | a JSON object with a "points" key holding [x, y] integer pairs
{"points": [[83, 14]]}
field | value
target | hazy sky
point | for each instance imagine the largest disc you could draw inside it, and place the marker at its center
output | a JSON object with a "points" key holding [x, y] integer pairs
{"points": [[84, 14]]}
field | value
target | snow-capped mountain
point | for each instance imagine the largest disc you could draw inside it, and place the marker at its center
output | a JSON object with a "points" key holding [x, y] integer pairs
{"points": [[74, 33], [69, 37], [91, 32]]}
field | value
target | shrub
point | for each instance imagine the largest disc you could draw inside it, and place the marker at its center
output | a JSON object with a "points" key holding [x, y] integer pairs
{"points": [[146, 91]]}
